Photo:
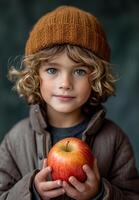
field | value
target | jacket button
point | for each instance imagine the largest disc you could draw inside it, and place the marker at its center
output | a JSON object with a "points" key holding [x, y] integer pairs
{"points": [[40, 156]]}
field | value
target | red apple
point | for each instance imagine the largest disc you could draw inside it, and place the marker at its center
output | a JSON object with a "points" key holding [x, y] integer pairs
{"points": [[67, 158]]}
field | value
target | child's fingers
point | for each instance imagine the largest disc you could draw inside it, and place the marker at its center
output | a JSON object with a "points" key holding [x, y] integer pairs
{"points": [[92, 174], [44, 163], [43, 174], [53, 193], [50, 185], [89, 173], [77, 184], [70, 190]]}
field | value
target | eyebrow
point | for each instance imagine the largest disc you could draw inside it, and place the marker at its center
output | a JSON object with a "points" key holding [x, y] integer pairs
{"points": [[58, 64]]}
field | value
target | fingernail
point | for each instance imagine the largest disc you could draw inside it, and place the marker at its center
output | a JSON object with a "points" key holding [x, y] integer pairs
{"points": [[85, 167], [49, 169], [71, 178], [64, 183], [59, 182]]}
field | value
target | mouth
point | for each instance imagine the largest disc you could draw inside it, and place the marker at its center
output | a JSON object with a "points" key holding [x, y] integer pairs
{"points": [[64, 97]]}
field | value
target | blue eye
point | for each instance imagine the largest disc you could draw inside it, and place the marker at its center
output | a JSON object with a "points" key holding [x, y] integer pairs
{"points": [[51, 71], [80, 72]]}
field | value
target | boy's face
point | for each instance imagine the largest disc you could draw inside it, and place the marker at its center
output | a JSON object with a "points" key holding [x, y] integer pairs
{"points": [[64, 84]]}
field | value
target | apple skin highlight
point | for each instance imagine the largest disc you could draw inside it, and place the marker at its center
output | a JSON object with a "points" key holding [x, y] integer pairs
{"points": [[67, 157]]}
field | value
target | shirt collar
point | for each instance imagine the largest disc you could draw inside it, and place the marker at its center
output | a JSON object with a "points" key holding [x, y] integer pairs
{"points": [[39, 123]]}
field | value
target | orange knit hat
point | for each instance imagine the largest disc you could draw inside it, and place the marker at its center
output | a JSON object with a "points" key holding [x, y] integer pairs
{"points": [[68, 25]]}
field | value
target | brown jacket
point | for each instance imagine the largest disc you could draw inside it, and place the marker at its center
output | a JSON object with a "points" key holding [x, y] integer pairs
{"points": [[25, 146]]}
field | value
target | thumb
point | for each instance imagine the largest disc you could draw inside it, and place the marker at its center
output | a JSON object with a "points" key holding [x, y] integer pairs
{"points": [[44, 174], [44, 163]]}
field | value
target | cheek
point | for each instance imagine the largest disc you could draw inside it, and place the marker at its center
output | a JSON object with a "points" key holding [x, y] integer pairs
{"points": [[86, 93], [85, 89], [44, 86]]}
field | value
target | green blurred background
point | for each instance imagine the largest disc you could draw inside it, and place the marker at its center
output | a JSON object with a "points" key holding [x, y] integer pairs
{"points": [[120, 20]]}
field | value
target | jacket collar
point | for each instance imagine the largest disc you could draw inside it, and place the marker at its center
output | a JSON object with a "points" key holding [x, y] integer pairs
{"points": [[39, 124], [96, 122], [37, 120]]}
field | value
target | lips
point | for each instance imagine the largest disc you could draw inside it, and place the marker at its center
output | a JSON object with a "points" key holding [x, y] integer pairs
{"points": [[64, 97]]}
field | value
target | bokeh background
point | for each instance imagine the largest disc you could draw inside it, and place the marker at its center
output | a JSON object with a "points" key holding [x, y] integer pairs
{"points": [[120, 20]]}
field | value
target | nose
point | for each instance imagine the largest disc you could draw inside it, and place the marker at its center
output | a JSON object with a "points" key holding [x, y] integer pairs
{"points": [[66, 82]]}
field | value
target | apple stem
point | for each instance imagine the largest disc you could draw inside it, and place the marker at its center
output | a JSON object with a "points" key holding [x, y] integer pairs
{"points": [[67, 145]]}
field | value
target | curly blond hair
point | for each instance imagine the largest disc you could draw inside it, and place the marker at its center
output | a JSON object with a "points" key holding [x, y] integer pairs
{"points": [[27, 80]]}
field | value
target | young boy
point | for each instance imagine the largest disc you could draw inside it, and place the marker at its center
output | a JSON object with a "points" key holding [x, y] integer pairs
{"points": [[65, 77]]}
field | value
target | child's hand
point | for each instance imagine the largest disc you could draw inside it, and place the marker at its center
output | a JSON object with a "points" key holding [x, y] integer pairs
{"points": [[86, 190], [47, 189]]}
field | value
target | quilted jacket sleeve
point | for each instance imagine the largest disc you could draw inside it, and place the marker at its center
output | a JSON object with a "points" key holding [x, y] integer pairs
{"points": [[123, 180], [12, 184]]}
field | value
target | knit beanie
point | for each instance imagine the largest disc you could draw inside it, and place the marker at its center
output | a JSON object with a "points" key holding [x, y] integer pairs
{"points": [[68, 25]]}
